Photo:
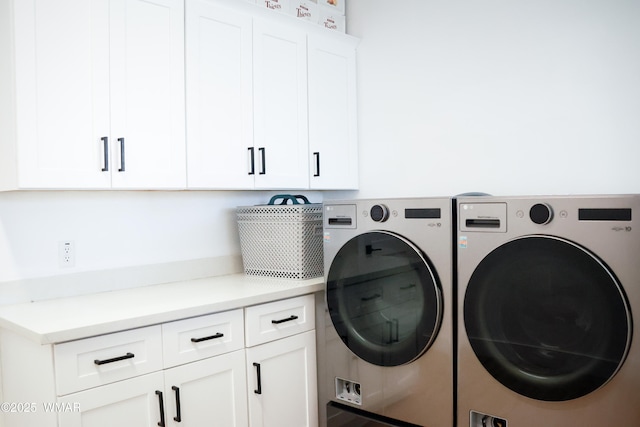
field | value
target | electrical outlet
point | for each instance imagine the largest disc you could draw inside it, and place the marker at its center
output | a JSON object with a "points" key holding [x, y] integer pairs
{"points": [[66, 254]]}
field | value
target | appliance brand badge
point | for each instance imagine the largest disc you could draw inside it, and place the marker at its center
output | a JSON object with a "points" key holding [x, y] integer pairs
{"points": [[626, 229], [462, 242]]}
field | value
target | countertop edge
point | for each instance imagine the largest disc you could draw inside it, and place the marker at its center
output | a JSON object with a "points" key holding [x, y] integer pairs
{"points": [[12, 318]]}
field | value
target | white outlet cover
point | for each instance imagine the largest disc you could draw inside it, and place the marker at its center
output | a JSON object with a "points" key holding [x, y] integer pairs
{"points": [[66, 254]]}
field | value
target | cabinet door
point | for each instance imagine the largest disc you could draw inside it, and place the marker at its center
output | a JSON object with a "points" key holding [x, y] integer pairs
{"points": [[62, 92], [209, 392], [280, 106], [332, 113], [147, 94], [282, 382], [219, 97], [130, 403]]}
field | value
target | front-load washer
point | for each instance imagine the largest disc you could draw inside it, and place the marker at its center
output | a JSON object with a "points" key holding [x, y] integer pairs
{"points": [[548, 291], [386, 356]]}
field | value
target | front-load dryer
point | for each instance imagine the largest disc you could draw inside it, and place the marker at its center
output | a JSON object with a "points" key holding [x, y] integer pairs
{"points": [[548, 291], [387, 357]]}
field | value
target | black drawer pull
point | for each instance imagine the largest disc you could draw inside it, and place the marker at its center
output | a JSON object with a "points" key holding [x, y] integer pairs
{"points": [[288, 319], [115, 359], [161, 401], [121, 141], [252, 170], [218, 335], [263, 157], [317, 156], [178, 417], [105, 146], [259, 389]]}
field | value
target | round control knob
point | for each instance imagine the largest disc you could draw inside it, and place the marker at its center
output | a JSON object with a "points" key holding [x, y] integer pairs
{"points": [[541, 213], [379, 213]]}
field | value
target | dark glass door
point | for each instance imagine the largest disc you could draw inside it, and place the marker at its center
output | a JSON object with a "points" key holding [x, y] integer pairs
{"points": [[384, 298], [547, 318]]}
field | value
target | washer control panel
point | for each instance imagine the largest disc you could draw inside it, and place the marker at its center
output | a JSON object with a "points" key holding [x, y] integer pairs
{"points": [[340, 216], [379, 213], [486, 217], [541, 213]]}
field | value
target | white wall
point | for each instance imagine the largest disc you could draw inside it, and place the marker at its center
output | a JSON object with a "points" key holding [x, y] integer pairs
{"points": [[112, 231], [500, 96], [506, 97]]}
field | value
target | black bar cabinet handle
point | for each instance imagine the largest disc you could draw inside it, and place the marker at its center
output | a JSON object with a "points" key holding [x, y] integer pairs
{"points": [[178, 417], [288, 319], [161, 401], [105, 147], [317, 156], [121, 141], [396, 323], [263, 155], [115, 359], [252, 171], [218, 335], [370, 298], [259, 389]]}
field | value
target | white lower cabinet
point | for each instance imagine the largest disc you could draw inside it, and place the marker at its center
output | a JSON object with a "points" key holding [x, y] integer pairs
{"points": [[187, 395], [188, 373], [209, 392], [129, 403], [282, 383], [281, 359]]}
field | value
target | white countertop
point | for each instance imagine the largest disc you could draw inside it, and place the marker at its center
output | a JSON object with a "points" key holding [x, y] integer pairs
{"points": [[67, 319]]}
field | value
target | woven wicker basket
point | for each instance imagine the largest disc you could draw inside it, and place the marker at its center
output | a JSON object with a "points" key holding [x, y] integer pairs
{"points": [[282, 240]]}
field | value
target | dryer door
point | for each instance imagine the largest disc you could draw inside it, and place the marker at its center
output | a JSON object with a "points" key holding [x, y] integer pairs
{"points": [[547, 318], [384, 298]]}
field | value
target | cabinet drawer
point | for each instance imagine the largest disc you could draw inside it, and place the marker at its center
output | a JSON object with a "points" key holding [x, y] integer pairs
{"points": [[193, 339], [105, 359], [279, 319]]}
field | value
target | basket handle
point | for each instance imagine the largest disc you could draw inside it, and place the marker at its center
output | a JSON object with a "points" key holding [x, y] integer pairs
{"points": [[288, 197]]}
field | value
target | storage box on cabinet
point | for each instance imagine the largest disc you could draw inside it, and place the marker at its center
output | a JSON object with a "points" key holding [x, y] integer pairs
{"points": [[105, 359], [200, 337]]}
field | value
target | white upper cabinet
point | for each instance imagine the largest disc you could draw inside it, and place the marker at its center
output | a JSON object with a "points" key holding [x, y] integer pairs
{"points": [[147, 93], [280, 105], [246, 99], [61, 93], [333, 138], [219, 96], [256, 101], [93, 80], [173, 94]]}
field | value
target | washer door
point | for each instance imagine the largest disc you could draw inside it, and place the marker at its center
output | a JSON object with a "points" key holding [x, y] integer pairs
{"points": [[547, 318], [384, 298]]}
